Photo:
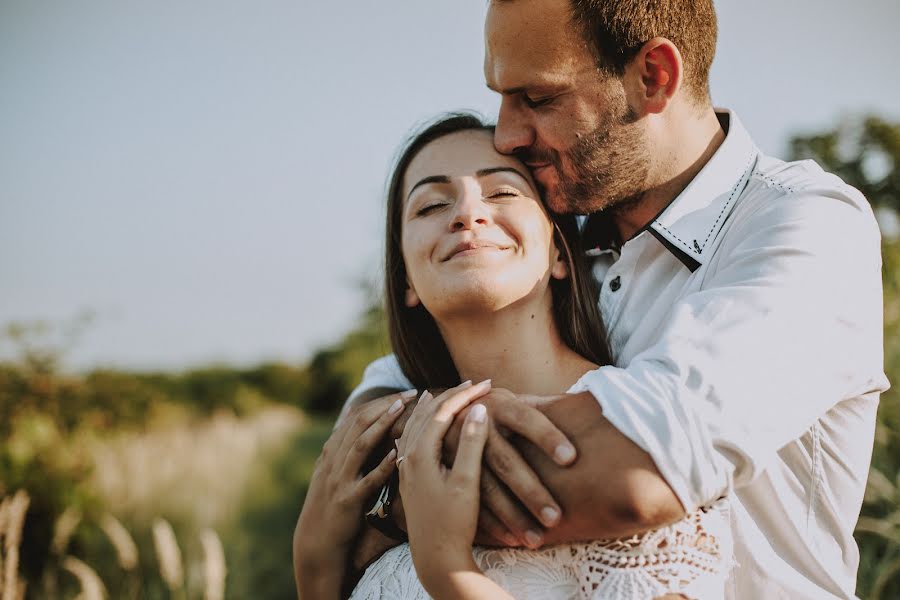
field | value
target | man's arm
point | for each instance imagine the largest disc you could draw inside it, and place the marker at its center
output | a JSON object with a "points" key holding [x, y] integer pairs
{"points": [[787, 326]]}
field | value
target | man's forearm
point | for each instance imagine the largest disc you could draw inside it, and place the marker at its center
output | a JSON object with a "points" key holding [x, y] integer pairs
{"points": [[613, 489]]}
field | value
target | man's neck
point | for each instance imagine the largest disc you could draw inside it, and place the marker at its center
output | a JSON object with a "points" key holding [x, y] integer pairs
{"points": [[688, 145], [518, 348]]}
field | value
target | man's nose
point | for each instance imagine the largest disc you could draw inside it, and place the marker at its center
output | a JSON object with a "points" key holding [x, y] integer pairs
{"points": [[514, 132]]}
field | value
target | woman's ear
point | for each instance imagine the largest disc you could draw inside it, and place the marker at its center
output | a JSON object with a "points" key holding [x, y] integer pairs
{"points": [[412, 298], [560, 268]]}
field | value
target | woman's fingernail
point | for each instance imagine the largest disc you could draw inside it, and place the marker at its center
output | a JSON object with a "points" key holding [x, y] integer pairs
{"points": [[510, 540], [466, 383], [565, 453], [485, 383], [477, 414], [392, 454], [533, 539], [549, 515], [396, 407], [397, 443], [409, 394], [425, 396]]}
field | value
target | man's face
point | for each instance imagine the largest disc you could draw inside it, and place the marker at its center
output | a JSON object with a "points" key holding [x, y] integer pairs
{"points": [[567, 120]]}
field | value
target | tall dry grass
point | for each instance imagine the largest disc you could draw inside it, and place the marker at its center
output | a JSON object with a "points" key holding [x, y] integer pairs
{"points": [[191, 472], [12, 521], [214, 569], [92, 587]]}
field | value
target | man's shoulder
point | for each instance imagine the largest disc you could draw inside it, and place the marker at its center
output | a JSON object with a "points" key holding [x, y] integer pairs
{"points": [[800, 205], [774, 178]]}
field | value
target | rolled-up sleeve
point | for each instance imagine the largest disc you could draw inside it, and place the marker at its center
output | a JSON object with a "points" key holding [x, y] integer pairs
{"points": [[382, 373], [786, 324]]}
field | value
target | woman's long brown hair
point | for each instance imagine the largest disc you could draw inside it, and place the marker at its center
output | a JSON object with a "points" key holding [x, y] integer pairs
{"points": [[415, 337]]}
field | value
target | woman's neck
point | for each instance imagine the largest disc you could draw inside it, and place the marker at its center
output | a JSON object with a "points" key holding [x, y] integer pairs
{"points": [[518, 348]]}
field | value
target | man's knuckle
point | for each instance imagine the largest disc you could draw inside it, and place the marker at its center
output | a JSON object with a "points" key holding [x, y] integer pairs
{"points": [[489, 486], [501, 463]]}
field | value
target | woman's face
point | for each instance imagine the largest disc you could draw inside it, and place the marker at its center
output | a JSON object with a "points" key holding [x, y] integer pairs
{"points": [[475, 235]]}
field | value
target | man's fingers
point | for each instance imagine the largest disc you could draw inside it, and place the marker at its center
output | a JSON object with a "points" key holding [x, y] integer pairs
{"points": [[533, 425], [467, 465], [491, 532], [507, 464], [498, 500]]}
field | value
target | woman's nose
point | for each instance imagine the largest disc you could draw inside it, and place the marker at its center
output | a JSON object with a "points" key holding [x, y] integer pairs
{"points": [[471, 210]]}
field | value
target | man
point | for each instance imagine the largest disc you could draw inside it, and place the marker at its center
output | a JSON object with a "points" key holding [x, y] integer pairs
{"points": [[741, 297]]}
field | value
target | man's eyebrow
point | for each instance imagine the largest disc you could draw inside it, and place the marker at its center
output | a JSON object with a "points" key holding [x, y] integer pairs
{"points": [[426, 180], [484, 172], [507, 91]]}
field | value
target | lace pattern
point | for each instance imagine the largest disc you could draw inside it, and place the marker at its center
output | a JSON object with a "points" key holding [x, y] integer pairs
{"points": [[690, 557]]}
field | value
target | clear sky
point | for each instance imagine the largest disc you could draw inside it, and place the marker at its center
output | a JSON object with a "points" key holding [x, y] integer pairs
{"points": [[207, 176]]}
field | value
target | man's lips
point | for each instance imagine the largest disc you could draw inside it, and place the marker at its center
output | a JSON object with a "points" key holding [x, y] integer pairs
{"points": [[538, 168], [471, 247]]}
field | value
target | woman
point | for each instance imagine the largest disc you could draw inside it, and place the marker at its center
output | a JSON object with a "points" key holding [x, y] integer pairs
{"points": [[482, 284]]}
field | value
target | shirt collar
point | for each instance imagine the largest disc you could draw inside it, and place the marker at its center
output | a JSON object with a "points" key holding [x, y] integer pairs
{"points": [[690, 223]]}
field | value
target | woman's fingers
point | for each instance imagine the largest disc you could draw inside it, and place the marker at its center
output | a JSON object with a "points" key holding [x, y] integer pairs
{"points": [[442, 410], [360, 420], [378, 476], [467, 464], [426, 409], [361, 448]]}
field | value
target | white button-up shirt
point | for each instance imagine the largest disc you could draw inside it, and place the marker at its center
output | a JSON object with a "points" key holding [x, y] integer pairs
{"points": [[745, 324]]}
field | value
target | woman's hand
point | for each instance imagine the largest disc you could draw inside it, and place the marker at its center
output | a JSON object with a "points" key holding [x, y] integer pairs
{"points": [[442, 503], [333, 509]]}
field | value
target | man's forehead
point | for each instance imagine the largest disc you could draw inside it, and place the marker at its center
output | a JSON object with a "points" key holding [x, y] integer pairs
{"points": [[530, 43]]}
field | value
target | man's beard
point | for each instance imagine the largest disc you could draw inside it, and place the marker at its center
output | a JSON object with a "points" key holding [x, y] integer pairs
{"points": [[606, 169]]}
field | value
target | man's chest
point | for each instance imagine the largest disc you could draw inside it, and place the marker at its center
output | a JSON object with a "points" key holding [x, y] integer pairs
{"points": [[638, 291]]}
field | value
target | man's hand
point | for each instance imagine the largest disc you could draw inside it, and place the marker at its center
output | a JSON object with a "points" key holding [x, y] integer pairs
{"points": [[509, 483]]}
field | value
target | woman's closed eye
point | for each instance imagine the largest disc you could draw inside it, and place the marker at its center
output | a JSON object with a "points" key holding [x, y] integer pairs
{"points": [[430, 208], [504, 193]]}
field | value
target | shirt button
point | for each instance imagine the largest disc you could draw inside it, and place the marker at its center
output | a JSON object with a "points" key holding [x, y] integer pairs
{"points": [[615, 284]]}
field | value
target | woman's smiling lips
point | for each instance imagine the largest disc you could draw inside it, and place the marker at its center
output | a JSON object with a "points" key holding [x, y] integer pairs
{"points": [[472, 247]]}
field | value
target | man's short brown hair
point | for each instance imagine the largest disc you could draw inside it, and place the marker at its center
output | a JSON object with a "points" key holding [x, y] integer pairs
{"points": [[617, 29]]}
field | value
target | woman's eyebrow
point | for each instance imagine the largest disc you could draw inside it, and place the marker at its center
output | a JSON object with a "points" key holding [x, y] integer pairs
{"points": [[429, 179], [484, 172]]}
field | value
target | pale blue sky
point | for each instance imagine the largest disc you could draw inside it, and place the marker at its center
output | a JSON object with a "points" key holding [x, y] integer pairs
{"points": [[207, 176]]}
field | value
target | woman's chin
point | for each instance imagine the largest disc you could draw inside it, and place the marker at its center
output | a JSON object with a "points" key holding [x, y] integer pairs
{"points": [[477, 296]]}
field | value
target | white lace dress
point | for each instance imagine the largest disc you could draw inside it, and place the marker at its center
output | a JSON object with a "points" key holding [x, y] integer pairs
{"points": [[690, 557]]}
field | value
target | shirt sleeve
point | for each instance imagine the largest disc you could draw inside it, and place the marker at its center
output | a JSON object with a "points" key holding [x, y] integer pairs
{"points": [[786, 324], [382, 373]]}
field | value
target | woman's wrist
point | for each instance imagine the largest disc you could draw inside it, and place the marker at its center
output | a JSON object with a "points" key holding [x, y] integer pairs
{"points": [[320, 577], [436, 569]]}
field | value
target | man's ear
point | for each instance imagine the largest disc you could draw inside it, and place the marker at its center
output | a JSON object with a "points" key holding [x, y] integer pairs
{"points": [[412, 298], [657, 72]]}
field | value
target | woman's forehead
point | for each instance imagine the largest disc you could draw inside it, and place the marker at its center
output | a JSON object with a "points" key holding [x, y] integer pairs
{"points": [[458, 154]]}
